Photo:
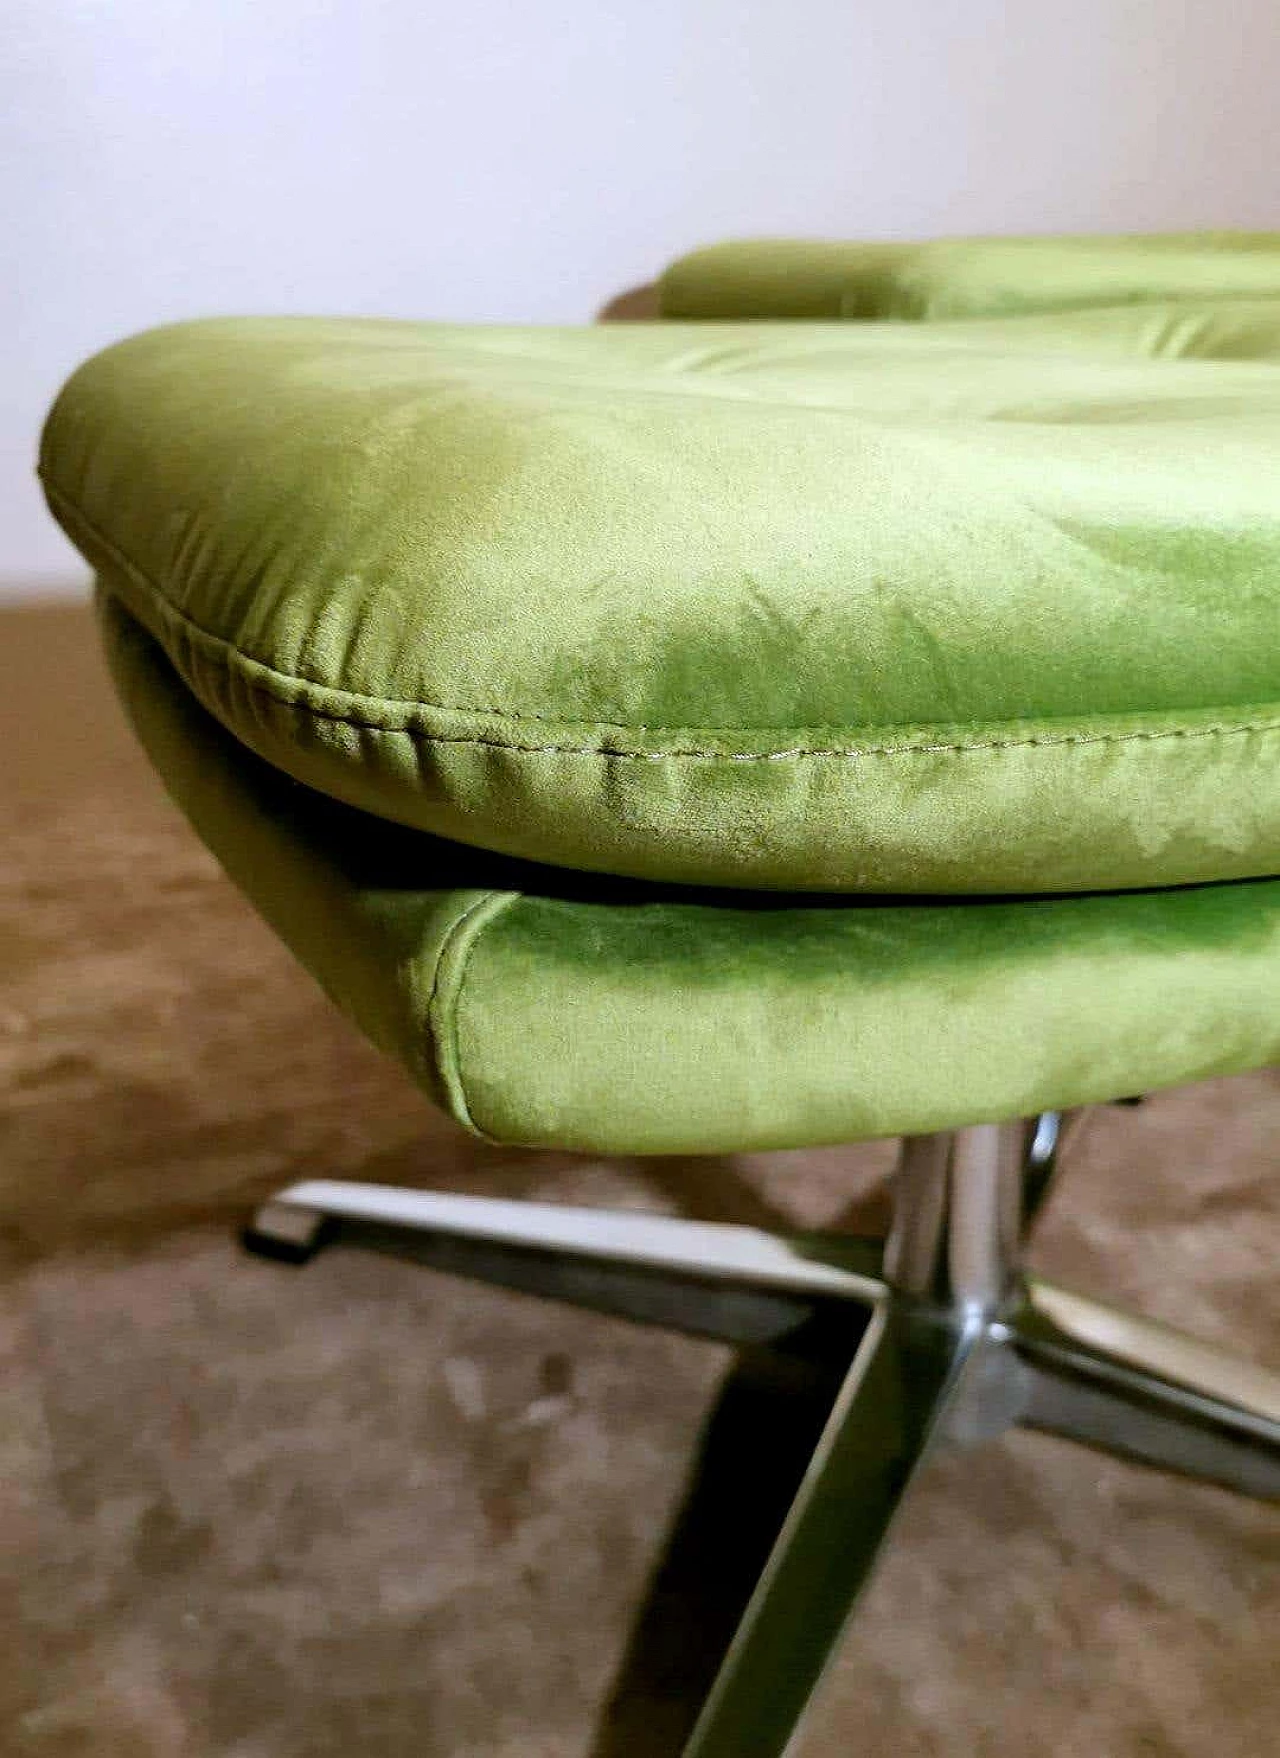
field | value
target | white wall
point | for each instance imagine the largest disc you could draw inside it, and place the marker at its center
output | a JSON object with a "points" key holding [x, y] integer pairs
{"points": [[526, 159]]}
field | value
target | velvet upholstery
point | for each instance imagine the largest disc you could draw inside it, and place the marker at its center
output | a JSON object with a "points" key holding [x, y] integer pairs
{"points": [[574, 1010], [969, 277], [979, 604]]}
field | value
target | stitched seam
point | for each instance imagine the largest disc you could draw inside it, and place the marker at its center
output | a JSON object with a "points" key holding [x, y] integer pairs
{"points": [[458, 946], [612, 751], [222, 650]]}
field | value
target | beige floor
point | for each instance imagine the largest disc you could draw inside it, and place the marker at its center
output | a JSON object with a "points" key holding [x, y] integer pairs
{"points": [[366, 1510]]}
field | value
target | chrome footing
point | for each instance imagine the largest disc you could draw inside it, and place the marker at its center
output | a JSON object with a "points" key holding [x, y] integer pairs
{"points": [[936, 1338], [287, 1231]]}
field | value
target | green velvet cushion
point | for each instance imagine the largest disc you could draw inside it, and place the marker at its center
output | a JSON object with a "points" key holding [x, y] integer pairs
{"points": [[613, 1016], [967, 277], [988, 604]]}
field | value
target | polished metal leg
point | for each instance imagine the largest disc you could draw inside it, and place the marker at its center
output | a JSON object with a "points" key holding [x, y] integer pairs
{"points": [[906, 1377], [1147, 1392], [736, 1284], [938, 1333]]}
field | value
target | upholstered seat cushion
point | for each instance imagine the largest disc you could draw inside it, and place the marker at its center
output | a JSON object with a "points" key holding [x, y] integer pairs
{"points": [[576, 1011], [981, 604]]}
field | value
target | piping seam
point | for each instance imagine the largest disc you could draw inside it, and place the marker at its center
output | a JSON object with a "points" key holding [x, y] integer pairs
{"points": [[793, 751], [221, 651], [459, 943]]}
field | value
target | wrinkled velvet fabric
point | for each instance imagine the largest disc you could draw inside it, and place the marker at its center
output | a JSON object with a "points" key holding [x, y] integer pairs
{"points": [[988, 602], [580, 1011]]}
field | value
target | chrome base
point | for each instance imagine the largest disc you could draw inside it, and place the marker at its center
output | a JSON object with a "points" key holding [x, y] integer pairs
{"points": [[938, 1336]]}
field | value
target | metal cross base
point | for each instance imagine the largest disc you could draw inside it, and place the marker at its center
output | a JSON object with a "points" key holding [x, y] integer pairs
{"points": [[943, 1338]]}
